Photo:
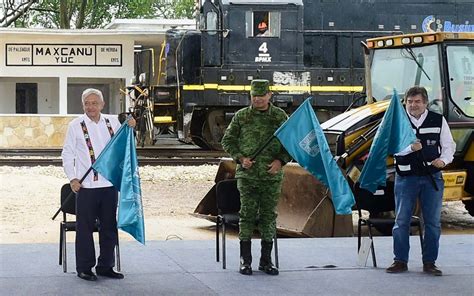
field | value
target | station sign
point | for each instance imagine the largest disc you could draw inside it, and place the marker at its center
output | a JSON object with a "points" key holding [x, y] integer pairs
{"points": [[92, 55]]}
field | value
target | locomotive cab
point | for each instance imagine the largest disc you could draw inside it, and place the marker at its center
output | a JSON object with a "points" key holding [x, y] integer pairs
{"points": [[240, 40], [245, 32]]}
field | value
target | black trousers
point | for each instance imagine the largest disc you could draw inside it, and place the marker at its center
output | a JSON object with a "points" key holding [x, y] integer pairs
{"points": [[91, 205]]}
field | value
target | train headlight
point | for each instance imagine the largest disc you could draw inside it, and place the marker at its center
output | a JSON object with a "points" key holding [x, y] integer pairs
{"points": [[389, 42], [418, 39], [406, 40], [380, 43]]}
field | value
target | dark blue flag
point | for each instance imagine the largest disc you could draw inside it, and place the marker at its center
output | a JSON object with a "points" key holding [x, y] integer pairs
{"points": [[394, 134], [303, 138], [118, 164]]}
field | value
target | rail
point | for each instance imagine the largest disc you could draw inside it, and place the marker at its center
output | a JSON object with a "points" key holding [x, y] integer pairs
{"points": [[153, 156]]}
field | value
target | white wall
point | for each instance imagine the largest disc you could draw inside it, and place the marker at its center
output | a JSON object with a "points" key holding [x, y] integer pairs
{"points": [[52, 80], [48, 97], [7, 96], [48, 94]]}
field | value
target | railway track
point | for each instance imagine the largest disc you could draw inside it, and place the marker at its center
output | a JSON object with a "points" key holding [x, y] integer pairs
{"points": [[146, 156], [141, 161]]}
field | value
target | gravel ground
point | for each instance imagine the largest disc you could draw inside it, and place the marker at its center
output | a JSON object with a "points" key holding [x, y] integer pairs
{"points": [[29, 196]]}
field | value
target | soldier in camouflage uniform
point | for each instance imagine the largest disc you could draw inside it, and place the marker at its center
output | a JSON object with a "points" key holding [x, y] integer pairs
{"points": [[259, 180]]}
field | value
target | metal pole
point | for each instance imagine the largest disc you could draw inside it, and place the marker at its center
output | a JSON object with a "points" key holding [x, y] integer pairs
{"points": [[259, 150], [70, 195]]}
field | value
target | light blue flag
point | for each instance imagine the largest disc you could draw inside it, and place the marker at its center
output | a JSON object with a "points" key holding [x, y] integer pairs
{"points": [[118, 164], [303, 138], [394, 134]]}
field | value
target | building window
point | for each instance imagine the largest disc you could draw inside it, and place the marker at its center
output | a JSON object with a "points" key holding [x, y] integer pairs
{"points": [[27, 98], [74, 94], [263, 23]]}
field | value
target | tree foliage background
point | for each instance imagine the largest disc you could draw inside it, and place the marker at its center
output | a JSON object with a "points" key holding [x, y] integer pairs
{"points": [[87, 14]]}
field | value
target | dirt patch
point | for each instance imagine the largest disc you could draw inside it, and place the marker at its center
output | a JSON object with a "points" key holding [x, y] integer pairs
{"points": [[29, 196]]}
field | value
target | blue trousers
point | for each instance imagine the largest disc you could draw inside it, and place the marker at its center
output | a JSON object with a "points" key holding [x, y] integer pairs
{"points": [[92, 204], [407, 190]]}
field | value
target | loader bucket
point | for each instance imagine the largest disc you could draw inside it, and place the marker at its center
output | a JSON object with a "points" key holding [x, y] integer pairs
{"points": [[305, 208]]}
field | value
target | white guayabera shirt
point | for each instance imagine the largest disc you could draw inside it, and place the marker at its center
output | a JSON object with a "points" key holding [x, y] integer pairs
{"points": [[75, 154]]}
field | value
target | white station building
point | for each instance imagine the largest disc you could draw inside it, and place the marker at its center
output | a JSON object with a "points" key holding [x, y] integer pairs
{"points": [[43, 73]]}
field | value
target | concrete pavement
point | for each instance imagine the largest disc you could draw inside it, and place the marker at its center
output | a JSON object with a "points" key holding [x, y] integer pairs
{"points": [[311, 266]]}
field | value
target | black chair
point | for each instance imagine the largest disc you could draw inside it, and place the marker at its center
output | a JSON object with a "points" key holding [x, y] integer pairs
{"points": [[70, 208], [228, 207], [378, 203]]}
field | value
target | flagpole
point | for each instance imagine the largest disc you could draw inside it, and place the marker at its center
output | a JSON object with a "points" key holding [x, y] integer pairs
{"points": [[71, 194], [259, 150]]}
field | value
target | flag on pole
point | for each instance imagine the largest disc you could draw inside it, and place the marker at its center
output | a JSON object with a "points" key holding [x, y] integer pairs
{"points": [[303, 138], [118, 164], [394, 134]]}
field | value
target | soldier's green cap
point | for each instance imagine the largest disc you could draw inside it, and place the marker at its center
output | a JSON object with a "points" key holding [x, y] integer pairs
{"points": [[259, 87]]}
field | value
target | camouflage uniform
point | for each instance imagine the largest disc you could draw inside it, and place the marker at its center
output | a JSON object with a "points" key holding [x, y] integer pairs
{"points": [[259, 190]]}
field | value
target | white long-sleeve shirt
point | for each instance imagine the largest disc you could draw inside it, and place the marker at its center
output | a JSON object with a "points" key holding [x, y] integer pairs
{"points": [[75, 154], [448, 146]]}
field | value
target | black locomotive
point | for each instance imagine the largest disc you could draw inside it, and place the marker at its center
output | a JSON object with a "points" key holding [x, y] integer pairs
{"points": [[304, 47]]}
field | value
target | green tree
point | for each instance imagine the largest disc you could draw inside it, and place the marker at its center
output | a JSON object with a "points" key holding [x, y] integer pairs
{"points": [[12, 11], [175, 8], [90, 14]]}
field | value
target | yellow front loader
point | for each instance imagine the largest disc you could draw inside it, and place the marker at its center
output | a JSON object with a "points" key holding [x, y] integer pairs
{"points": [[441, 62]]}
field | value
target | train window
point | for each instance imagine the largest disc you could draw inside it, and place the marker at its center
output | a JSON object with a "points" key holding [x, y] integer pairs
{"points": [[211, 22], [461, 77], [262, 23]]}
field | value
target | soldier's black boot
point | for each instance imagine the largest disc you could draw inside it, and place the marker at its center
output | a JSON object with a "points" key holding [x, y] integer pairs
{"points": [[266, 264], [245, 257]]}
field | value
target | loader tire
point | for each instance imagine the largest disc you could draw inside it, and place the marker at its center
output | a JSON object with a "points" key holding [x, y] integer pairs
{"points": [[469, 205]]}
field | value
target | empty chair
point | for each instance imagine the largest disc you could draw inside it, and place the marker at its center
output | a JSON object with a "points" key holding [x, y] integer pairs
{"points": [[376, 204], [228, 207], [69, 207]]}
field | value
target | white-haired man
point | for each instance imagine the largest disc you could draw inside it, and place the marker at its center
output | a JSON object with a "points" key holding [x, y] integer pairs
{"points": [[86, 137]]}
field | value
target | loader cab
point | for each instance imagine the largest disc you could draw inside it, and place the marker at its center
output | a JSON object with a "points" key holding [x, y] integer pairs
{"points": [[244, 32], [444, 64], [460, 79]]}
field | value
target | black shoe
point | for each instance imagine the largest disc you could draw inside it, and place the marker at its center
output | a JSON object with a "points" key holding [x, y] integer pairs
{"points": [[109, 272], [245, 257], [266, 264], [397, 267], [245, 269], [430, 268], [269, 269], [87, 275]]}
